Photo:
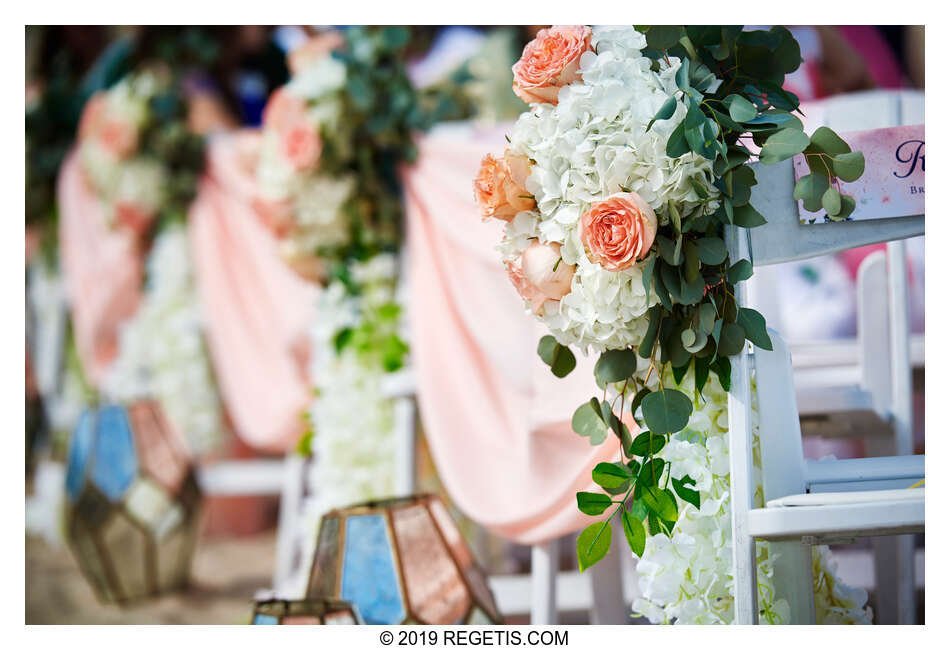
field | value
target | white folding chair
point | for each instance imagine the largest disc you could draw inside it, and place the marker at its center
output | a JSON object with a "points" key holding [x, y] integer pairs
{"points": [[791, 512]]}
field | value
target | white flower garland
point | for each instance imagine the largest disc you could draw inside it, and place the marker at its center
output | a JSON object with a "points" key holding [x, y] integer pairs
{"points": [[688, 577], [353, 444], [162, 352]]}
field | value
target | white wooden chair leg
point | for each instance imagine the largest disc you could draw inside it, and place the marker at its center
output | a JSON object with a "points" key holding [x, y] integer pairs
{"points": [[606, 578], [544, 583], [794, 579], [740, 464], [902, 408], [405, 432], [291, 497]]}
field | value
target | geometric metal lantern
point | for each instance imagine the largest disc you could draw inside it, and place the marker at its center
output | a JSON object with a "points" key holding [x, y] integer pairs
{"points": [[304, 612], [400, 561], [133, 502]]}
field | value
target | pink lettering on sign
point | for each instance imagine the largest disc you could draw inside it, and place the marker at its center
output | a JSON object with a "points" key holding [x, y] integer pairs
{"points": [[893, 180]]}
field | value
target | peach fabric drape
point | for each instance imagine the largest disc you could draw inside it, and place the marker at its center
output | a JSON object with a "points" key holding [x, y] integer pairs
{"points": [[496, 419], [256, 310], [102, 270]]}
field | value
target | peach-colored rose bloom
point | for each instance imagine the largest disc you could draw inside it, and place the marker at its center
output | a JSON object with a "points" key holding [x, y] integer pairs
{"points": [[538, 263], [313, 50], [618, 231], [132, 216], [277, 216], [92, 114], [535, 278], [550, 61], [499, 186], [301, 146], [283, 111], [119, 137]]}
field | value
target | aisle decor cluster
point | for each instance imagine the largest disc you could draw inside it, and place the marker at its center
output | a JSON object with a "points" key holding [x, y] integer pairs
{"points": [[143, 163], [615, 188], [137, 153], [333, 138], [328, 186]]}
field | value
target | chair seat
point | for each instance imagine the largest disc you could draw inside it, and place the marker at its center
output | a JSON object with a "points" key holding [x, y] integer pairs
{"points": [[833, 515], [841, 498]]}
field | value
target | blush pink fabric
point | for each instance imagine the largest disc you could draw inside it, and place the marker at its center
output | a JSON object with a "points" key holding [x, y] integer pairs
{"points": [[496, 419], [256, 310], [102, 270]]}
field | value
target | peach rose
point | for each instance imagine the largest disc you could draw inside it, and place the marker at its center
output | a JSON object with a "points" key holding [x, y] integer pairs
{"points": [[618, 231], [499, 186], [550, 61], [313, 50], [277, 216], [301, 146], [283, 110], [92, 115], [524, 288], [536, 278], [132, 216], [119, 137]]}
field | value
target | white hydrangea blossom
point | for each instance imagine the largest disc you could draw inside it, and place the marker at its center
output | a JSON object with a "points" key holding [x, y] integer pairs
{"points": [[354, 443], [592, 144], [162, 352], [688, 578]]}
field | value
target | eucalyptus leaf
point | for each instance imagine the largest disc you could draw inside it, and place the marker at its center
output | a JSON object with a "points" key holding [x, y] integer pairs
{"points": [[666, 411], [588, 423], [731, 340], [747, 217], [831, 201], [741, 270], [824, 140], [848, 166], [754, 325], [712, 250], [615, 365], [809, 189], [740, 108], [666, 111], [783, 145]]}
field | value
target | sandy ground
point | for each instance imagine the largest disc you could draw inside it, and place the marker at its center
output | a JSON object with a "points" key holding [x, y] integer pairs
{"points": [[226, 573]]}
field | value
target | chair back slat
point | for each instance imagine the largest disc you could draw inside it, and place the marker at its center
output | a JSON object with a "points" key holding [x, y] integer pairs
{"points": [[785, 239], [780, 437]]}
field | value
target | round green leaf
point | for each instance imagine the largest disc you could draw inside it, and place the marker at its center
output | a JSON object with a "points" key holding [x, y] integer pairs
{"points": [[809, 189], [783, 145], [847, 206], [666, 411], [754, 325], [712, 250], [588, 423], [740, 108], [824, 140], [593, 544], [848, 166], [731, 340], [831, 201], [615, 365]]}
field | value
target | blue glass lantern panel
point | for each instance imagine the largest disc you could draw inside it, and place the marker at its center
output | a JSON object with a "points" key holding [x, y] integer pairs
{"points": [[115, 464], [369, 571], [264, 619], [79, 449]]}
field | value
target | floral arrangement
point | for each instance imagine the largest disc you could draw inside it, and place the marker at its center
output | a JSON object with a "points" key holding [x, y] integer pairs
{"points": [[344, 121], [136, 151], [615, 188], [162, 352], [356, 341]]}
